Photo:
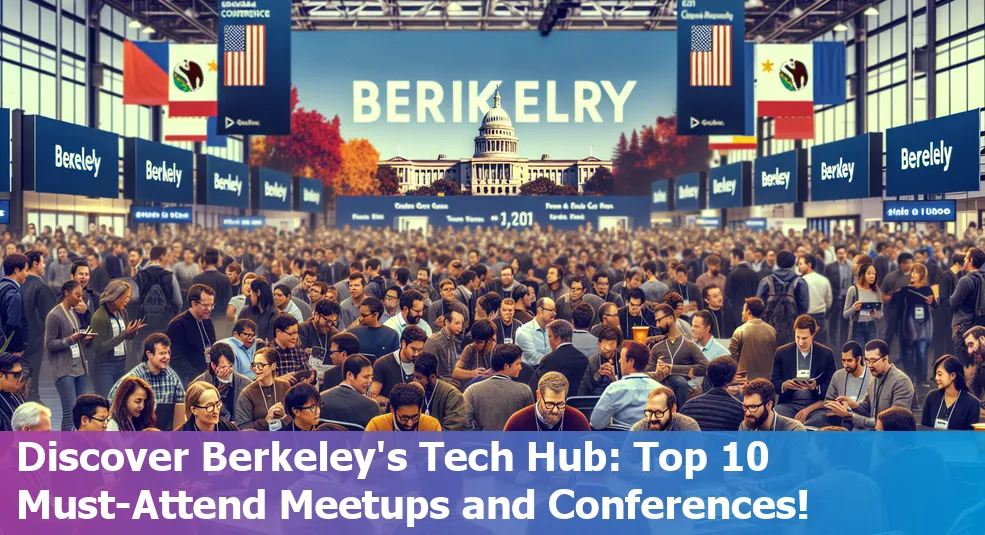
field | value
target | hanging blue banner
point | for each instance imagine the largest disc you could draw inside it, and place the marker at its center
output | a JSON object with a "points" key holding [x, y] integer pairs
{"points": [[689, 192], [271, 189], [661, 196], [222, 182], [780, 178], [254, 67], [156, 214], [153, 172], [710, 68], [307, 195], [919, 211], [5, 139], [847, 169], [4, 212], [730, 186], [67, 158], [936, 156]]}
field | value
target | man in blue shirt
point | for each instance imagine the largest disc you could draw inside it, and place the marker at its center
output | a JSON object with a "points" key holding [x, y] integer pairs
{"points": [[532, 336], [244, 334], [623, 402]]}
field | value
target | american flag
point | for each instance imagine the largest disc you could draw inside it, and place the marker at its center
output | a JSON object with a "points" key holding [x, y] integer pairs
{"points": [[711, 55], [244, 55]]}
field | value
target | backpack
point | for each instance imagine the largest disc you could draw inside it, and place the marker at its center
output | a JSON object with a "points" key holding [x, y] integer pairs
{"points": [[978, 312], [154, 302], [781, 308]]}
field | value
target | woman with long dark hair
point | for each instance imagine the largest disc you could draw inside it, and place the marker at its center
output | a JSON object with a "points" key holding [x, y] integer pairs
{"points": [[860, 302], [952, 405], [63, 339], [133, 406], [261, 308]]}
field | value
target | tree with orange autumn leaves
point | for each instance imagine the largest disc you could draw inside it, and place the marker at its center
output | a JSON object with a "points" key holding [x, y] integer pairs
{"points": [[655, 152]]}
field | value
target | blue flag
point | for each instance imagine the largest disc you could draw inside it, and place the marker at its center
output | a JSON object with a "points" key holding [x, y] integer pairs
{"points": [[829, 73], [214, 140]]}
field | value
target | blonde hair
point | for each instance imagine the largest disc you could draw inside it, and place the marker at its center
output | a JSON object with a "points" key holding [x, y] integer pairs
{"points": [[553, 381], [246, 280], [922, 270], [194, 393]]}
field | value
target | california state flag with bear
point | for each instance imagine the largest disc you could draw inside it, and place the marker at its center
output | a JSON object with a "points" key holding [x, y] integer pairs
{"points": [[784, 80]]}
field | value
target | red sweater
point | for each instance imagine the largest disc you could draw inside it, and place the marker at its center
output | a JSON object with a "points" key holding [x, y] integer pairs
{"points": [[526, 420]]}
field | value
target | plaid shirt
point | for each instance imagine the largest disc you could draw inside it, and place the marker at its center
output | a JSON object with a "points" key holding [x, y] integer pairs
{"points": [[291, 359], [165, 385]]}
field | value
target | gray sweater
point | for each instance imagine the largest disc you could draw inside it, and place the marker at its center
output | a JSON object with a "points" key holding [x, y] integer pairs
{"points": [[490, 402], [892, 389], [57, 330]]}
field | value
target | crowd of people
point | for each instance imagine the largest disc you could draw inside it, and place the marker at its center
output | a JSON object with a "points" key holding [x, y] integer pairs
{"points": [[669, 329]]}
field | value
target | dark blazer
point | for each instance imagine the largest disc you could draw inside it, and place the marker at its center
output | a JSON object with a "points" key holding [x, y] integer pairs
{"points": [[37, 300], [435, 311], [833, 275], [964, 412], [344, 404], [741, 284], [567, 360], [785, 367], [219, 282], [116, 267]]}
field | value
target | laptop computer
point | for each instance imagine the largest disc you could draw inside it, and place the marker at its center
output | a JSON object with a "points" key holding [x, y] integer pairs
{"points": [[170, 416]]}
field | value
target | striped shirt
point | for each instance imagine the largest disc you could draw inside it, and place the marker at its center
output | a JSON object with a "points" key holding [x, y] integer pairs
{"points": [[715, 410]]}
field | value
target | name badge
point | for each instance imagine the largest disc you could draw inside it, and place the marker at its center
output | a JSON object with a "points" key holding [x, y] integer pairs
{"points": [[940, 423], [208, 348], [865, 313], [275, 425], [120, 350], [853, 398], [803, 374], [76, 351], [507, 340], [918, 313]]}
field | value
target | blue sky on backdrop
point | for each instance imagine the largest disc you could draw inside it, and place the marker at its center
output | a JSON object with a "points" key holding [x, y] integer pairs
{"points": [[325, 64]]}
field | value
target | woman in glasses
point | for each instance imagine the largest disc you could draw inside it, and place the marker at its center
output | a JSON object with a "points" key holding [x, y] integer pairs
{"points": [[261, 404], [303, 403], [203, 406]]}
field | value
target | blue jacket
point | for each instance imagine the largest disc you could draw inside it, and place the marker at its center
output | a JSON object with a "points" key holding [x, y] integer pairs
{"points": [[801, 293], [12, 320]]}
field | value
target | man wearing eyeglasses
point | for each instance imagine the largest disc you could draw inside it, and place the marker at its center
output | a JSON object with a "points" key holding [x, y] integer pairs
{"points": [[192, 334], [222, 376], [316, 333], [90, 413], [661, 414], [411, 313], [405, 411], [757, 403], [11, 382], [889, 387], [550, 413], [242, 343], [303, 403], [286, 337], [532, 336], [375, 339]]}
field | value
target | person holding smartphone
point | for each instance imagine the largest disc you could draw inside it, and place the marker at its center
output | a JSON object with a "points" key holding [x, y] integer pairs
{"points": [[863, 304], [801, 373]]}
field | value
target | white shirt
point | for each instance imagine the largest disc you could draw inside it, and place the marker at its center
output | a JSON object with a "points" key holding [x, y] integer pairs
{"points": [[819, 290]]}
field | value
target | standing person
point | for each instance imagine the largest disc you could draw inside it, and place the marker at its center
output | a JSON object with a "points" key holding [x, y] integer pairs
{"points": [[713, 275], [215, 279], [13, 322], [603, 367], [713, 301], [964, 302], [241, 299], [59, 272], [160, 295], [490, 403], [186, 271], [892, 296], [350, 306], [554, 286], [397, 367], [505, 323], [701, 332], [411, 312], [754, 343], [741, 284], [566, 304], [687, 290], [564, 357], [917, 304], [38, 300], [442, 400], [550, 413], [348, 402], [375, 339], [947, 283], [261, 403], [261, 309], [820, 295], [63, 339], [98, 277], [87, 306], [308, 278], [234, 273], [840, 277], [11, 383], [532, 336], [951, 406], [192, 334], [113, 332], [133, 406], [653, 288], [862, 302], [786, 297]]}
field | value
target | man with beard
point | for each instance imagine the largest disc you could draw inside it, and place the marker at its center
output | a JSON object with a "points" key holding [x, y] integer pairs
{"points": [[554, 286], [347, 402], [600, 288], [443, 344], [661, 414], [851, 381], [319, 329], [411, 313], [675, 359], [441, 399], [974, 339], [567, 303], [889, 387], [405, 414], [550, 413], [757, 402], [713, 275], [506, 282], [397, 367]]}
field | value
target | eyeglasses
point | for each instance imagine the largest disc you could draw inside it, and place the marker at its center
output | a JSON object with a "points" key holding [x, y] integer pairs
{"points": [[751, 408], [248, 335], [655, 414], [100, 420], [207, 307], [210, 408], [313, 408], [408, 419], [390, 298], [291, 334], [871, 362], [661, 318], [551, 310], [15, 375], [550, 405], [259, 365]]}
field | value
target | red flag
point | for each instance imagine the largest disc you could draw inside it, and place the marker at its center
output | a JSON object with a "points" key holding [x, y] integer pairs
{"points": [[793, 127], [145, 76]]}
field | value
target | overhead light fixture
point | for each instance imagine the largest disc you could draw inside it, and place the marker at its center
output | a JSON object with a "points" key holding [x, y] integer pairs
{"points": [[840, 27], [453, 7], [871, 11], [148, 29], [796, 12], [135, 24]]}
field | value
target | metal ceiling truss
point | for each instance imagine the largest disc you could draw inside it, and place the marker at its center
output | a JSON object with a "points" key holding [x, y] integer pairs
{"points": [[766, 20]]}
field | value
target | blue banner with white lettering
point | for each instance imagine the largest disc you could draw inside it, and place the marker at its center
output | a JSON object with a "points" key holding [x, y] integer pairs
{"points": [[153, 172], [156, 214], [5, 139], [222, 182], [936, 156], [710, 67], [4, 212], [780, 178], [66, 158], [847, 169], [254, 68], [242, 222], [689, 192], [271, 189], [755, 223], [308, 194], [565, 213], [661, 198], [730, 186], [919, 211]]}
